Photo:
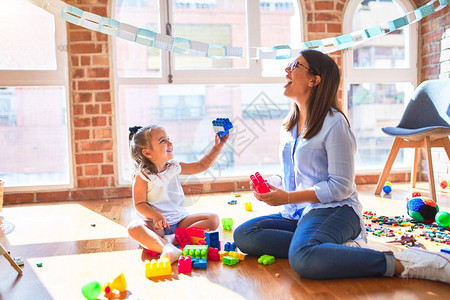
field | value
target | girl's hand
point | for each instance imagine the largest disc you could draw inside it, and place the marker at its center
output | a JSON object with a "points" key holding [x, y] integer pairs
{"points": [[220, 141], [275, 197], [159, 222]]}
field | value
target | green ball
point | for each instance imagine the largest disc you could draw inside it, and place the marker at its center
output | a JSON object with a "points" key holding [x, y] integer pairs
{"points": [[443, 219], [91, 290]]}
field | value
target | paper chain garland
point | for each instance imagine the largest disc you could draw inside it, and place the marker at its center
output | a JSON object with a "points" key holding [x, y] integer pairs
{"points": [[181, 45]]}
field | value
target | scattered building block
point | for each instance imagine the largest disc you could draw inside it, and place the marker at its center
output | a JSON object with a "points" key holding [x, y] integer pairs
{"points": [[185, 264], [196, 251], [230, 260], [160, 267], [266, 259]]}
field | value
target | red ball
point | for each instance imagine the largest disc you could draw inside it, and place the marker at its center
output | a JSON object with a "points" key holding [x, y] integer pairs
{"points": [[443, 184]]}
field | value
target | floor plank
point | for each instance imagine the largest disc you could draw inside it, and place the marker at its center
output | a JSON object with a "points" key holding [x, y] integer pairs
{"points": [[62, 237]]}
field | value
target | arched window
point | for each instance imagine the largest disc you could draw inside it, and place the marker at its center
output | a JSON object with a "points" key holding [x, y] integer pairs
{"points": [[185, 93], [34, 129], [379, 78]]}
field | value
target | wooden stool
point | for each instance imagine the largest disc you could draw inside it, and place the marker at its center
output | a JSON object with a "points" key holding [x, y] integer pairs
{"points": [[10, 259]]}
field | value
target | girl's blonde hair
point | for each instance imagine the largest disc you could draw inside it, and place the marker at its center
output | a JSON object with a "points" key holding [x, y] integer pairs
{"points": [[139, 139]]}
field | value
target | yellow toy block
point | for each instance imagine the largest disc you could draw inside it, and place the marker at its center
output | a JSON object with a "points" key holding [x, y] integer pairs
{"points": [[119, 283], [248, 206], [222, 254], [160, 267], [238, 255]]}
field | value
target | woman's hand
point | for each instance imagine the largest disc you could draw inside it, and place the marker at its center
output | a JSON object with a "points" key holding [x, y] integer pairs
{"points": [[159, 222], [275, 197]]}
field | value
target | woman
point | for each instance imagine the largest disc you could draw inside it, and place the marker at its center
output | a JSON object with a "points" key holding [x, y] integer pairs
{"points": [[321, 206]]}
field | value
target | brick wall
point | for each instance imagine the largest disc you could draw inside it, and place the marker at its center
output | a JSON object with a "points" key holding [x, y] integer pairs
{"points": [[435, 47], [92, 99]]}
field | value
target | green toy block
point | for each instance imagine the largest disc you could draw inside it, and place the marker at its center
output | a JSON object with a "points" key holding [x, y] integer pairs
{"points": [[266, 259], [230, 260], [227, 223], [196, 251]]}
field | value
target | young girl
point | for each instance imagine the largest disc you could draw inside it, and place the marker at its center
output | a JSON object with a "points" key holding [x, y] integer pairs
{"points": [[157, 193]]}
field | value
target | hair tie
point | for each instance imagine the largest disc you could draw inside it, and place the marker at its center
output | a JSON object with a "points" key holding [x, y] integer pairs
{"points": [[134, 129]]}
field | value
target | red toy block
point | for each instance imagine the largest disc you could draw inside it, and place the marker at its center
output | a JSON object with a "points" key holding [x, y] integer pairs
{"points": [[182, 237], [151, 253], [259, 183], [213, 254], [185, 264]]}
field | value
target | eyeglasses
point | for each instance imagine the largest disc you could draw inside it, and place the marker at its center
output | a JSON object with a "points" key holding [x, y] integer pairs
{"points": [[295, 64]]}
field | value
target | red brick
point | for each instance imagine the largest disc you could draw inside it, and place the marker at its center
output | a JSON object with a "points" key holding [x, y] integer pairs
{"points": [[94, 85], [98, 72], [78, 109], [80, 36], [85, 60], [107, 169], [98, 121], [101, 37], [87, 194], [81, 134], [222, 186], [109, 158], [102, 133], [81, 122], [122, 192], [79, 171], [92, 109], [334, 28], [92, 182], [324, 5], [52, 196], [339, 6], [91, 170], [103, 97], [90, 158], [85, 48], [14, 198], [327, 17], [95, 146], [82, 97], [433, 37], [100, 60], [316, 27], [77, 73], [106, 109], [99, 10], [74, 59]]}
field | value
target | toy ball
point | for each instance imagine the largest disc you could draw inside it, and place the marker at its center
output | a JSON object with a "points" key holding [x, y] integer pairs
{"points": [[443, 219], [387, 188], [91, 290], [443, 184], [422, 209]]}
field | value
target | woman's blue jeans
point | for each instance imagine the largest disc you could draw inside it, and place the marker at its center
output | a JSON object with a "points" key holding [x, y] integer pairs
{"points": [[313, 246]]}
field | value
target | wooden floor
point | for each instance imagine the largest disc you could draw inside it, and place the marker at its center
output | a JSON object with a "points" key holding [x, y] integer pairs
{"points": [[72, 251]]}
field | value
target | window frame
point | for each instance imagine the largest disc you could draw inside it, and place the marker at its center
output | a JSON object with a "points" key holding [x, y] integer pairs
{"points": [[58, 77], [252, 75], [378, 75]]}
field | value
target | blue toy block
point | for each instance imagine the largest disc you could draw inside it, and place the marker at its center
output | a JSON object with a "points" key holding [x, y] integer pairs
{"points": [[222, 126], [229, 246], [199, 263], [212, 239]]}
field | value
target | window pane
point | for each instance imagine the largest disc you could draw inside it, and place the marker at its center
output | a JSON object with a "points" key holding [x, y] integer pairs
{"points": [[280, 25], [256, 112], [25, 47], [33, 130], [132, 59], [214, 22], [373, 106], [388, 51]]}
